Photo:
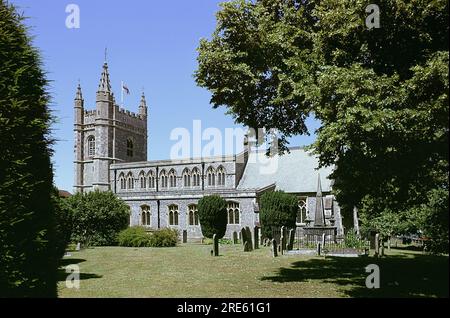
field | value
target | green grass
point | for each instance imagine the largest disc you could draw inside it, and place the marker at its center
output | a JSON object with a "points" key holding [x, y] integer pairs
{"points": [[190, 271]]}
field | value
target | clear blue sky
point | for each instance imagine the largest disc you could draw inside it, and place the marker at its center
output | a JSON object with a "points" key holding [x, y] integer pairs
{"points": [[151, 44]]}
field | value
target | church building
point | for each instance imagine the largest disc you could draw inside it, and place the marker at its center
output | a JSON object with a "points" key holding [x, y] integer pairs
{"points": [[111, 154]]}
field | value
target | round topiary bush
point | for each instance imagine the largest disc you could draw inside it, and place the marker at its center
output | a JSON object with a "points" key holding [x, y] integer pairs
{"points": [[212, 214], [277, 209]]}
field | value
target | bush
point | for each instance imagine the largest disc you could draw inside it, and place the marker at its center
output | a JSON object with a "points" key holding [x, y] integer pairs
{"points": [[98, 218], [277, 209], [137, 236], [436, 218], [352, 240], [164, 238], [64, 223], [28, 258], [212, 214]]}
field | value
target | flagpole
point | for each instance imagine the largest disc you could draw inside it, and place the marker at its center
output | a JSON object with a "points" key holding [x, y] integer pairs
{"points": [[121, 93]]}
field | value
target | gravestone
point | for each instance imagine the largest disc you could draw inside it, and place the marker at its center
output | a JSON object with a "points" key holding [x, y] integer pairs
{"points": [[283, 239], [78, 246], [216, 245], [243, 236], [323, 240], [184, 236], [274, 248], [256, 236], [247, 247], [377, 245], [291, 240], [319, 248], [235, 237], [248, 237]]}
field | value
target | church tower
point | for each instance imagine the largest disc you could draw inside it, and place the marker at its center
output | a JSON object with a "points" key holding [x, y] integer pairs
{"points": [[108, 134]]}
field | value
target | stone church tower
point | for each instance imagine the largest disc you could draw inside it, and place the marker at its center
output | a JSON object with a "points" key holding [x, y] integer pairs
{"points": [[106, 135]]}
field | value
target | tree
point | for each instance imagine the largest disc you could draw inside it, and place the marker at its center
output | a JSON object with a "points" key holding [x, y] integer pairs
{"points": [[277, 209], [64, 222], [381, 95], [212, 214], [98, 218], [28, 258]]}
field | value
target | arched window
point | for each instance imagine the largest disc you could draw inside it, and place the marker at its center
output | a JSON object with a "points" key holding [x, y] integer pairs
{"points": [[172, 178], [233, 212], [186, 178], [163, 178], [195, 177], [91, 146], [143, 180], [211, 177], [302, 212], [130, 147], [193, 214], [123, 182], [151, 180], [145, 215], [173, 214], [130, 181], [221, 176]]}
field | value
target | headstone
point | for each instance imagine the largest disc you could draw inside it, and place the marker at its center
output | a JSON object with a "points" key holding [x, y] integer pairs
{"points": [[274, 248], [216, 245], [247, 246], [323, 240], [243, 236], [235, 237], [248, 237], [377, 245], [291, 240], [184, 236], [319, 248], [256, 236], [381, 248], [283, 239], [78, 246]]}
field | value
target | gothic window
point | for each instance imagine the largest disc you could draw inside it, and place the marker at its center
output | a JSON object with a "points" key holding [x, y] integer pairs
{"points": [[130, 147], [211, 177], [91, 146], [143, 180], [173, 214], [186, 178], [123, 182], [221, 176], [193, 214], [130, 181], [163, 177], [195, 177], [145, 215], [172, 179], [233, 212], [151, 180], [302, 211]]}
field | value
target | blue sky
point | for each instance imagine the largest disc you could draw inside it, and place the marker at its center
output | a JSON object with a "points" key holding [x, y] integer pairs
{"points": [[151, 45]]}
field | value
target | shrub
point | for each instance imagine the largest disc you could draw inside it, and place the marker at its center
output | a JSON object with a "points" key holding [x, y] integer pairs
{"points": [[212, 213], [352, 240], [28, 258], [277, 209], [135, 236], [64, 223], [98, 218], [164, 238]]}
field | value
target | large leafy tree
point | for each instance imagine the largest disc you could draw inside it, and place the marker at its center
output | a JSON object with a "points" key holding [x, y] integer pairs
{"points": [[28, 256], [277, 209], [381, 94], [212, 213]]}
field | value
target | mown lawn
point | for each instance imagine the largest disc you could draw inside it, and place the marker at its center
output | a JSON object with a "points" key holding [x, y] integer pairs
{"points": [[189, 270]]}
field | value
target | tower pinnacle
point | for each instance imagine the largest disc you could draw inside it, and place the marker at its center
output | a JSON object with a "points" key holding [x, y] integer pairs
{"points": [[79, 94], [105, 85], [143, 105]]}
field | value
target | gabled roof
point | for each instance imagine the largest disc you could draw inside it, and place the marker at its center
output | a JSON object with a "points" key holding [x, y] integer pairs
{"points": [[294, 172]]}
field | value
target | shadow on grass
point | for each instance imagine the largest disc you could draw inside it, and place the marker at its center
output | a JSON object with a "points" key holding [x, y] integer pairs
{"points": [[62, 274], [400, 276]]}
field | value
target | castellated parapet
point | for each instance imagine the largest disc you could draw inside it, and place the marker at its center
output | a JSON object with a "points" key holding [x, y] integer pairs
{"points": [[106, 135]]}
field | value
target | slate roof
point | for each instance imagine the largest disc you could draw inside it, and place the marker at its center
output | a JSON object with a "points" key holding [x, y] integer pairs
{"points": [[294, 172]]}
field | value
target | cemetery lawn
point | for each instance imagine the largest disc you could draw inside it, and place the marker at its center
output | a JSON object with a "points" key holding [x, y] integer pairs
{"points": [[189, 270]]}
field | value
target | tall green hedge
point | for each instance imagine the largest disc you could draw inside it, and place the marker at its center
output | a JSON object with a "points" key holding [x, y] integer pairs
{"points": [[277, 209], [98, 218], [212, 214], [28, 256]]}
